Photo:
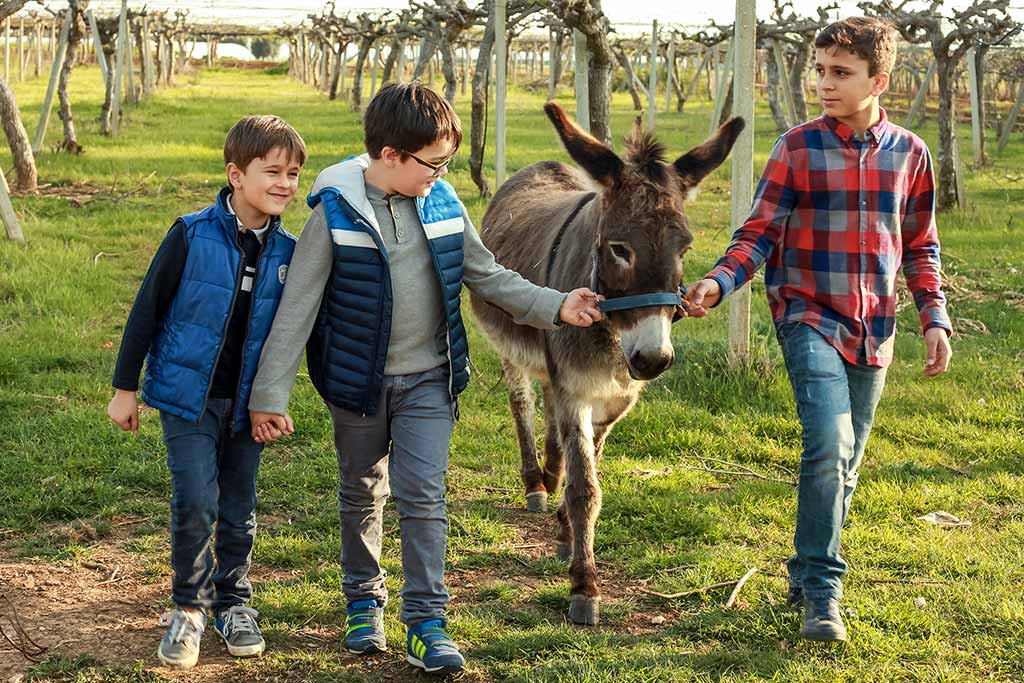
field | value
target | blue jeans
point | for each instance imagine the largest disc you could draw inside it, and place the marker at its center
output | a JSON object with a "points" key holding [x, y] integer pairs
{"points": [[213, 479], [402, 449], [836, 403]]}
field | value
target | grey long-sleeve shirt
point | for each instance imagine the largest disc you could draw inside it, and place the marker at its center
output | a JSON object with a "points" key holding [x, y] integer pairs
{"points": [[418, 329]]}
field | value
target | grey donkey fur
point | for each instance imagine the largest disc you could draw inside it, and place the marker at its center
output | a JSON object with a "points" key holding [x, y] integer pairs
{"points": [[590, 377]]}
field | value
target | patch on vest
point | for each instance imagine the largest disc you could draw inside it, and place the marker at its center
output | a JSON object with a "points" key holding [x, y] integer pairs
{"points": [[282, 274]]}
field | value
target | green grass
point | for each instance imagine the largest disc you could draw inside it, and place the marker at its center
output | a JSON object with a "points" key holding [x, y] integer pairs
{"points": [[954, 443]]}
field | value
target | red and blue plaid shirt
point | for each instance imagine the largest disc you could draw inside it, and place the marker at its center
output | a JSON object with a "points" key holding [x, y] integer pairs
{"points": [[834, 217]]}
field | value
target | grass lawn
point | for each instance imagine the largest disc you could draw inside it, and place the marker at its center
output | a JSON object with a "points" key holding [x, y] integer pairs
{"points": [[78, 497]]}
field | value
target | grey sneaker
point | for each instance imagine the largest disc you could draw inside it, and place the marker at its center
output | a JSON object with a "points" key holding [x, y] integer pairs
{"points": [[823, 622], [364, 628], [179, 648], [237, 626]]}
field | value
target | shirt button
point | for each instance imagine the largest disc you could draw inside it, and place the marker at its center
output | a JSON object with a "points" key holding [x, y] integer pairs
{"points": [[401, 234]]}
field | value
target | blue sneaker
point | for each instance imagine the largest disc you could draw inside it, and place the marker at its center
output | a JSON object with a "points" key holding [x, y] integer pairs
{"points": [[364, 628], [431, 649]]}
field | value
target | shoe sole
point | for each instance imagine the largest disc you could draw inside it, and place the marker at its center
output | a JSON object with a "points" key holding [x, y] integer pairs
{"points": [[826, 637], [372, 650], [176, 664], [246, 651], [439, 670]]}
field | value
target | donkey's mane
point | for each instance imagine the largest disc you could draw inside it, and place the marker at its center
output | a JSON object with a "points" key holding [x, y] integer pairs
{"points": [[647, 154]]}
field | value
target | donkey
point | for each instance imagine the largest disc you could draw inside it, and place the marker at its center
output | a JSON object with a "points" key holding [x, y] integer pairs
{"points": [[619, 228]]}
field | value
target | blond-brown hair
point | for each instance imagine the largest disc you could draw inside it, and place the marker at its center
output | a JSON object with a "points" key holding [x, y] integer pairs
{"points": [[873, 40], [255, 136]]}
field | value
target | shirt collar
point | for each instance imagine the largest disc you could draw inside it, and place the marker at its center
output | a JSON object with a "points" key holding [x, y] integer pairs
{"points": [[259, 232], [876, 133]]}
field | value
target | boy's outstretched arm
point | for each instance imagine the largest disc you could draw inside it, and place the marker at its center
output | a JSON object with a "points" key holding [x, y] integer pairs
{"points": [[922, 267], [151, 303], [282, 353], [527, 303], [754, 241]]}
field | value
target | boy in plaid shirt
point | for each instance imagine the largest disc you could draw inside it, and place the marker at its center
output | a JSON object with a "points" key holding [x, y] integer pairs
{"points": [[843, 202]]}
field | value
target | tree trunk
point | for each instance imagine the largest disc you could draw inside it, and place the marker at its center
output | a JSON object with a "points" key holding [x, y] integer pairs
{"points": [[727, 107], [427, 47], [70, 142], [336, 73], [556, 62], [478, 117], [796, 81], [945, 193], [451, 81], [638, 105], [108, 98], [357, 78], [600, 81], [389, 65], [979, 61], [17, 140], [775, 103]]}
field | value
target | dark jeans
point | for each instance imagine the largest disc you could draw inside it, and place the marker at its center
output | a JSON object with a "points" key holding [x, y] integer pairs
{"points": [[836, 403], [213, 478]]}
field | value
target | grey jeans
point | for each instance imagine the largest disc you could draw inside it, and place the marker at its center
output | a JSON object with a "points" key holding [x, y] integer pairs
{"points": [[402, 449]]}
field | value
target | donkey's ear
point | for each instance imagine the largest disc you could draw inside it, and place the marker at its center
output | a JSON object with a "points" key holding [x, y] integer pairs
{"points": [[693, 166], [596, 158]]}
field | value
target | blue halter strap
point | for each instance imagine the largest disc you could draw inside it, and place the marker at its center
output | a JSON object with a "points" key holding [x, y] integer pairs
{"points": [[622, 303]]}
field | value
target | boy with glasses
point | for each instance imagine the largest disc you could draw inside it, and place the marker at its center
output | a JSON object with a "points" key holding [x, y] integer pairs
{"points": [[375, 291]]}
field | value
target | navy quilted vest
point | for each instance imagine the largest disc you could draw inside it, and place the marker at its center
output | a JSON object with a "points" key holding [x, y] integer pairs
{"points": [[348, 348]]}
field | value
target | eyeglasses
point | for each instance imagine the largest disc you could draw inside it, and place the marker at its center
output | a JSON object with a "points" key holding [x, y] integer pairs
{"points": [[436, 168]]}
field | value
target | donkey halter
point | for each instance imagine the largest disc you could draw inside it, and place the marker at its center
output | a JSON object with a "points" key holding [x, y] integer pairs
{"points": [[619, 303]]}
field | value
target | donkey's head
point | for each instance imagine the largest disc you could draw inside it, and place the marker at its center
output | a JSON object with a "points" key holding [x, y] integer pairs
{"points": [[643, 233]]}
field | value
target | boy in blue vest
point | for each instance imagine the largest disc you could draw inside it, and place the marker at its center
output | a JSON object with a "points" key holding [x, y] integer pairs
{"points": [[199, 321], [375, 289]]}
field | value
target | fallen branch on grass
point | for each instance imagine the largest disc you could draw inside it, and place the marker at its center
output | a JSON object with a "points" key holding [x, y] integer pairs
{"points": [[739, 586], [694, 591], [739, 471]]}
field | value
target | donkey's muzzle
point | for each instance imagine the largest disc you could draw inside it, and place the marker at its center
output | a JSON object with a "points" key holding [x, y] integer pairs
{"points": [[647, 366]]}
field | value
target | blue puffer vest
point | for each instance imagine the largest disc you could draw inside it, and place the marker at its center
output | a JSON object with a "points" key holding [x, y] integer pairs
{"points": [[348, 348], [184, 354]]}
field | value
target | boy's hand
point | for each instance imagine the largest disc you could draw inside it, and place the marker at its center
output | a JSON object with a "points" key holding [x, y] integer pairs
{"points": [[580, 308], [267, 427], [936, 344], [704, 293], [123, 409]]}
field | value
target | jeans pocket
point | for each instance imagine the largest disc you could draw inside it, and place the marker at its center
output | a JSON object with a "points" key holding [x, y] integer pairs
{"points": [[784, 330]]}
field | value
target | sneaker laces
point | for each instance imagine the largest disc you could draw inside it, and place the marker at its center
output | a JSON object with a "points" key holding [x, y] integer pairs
{"points": [[182, 624], [240, 619]]}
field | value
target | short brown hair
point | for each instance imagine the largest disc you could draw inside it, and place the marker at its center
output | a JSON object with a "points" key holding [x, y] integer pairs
{"points": [[255, 136], [871, 39], [408, 117]]}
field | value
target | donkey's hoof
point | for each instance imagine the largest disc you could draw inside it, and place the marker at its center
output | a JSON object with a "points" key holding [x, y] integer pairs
{"points": [[584, 610], [537, 501], [563, 551]]}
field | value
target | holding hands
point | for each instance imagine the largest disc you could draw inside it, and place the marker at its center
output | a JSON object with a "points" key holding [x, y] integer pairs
{"points": [[267, 427]]}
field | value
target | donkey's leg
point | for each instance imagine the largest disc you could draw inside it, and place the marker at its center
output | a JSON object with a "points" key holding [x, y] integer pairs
{"points": [[582, 503], [521, 401], [554, 457], [563, 541], [606, 414]]}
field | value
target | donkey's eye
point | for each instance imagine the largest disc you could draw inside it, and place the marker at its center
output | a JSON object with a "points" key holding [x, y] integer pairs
{"points": [[621, 251]]}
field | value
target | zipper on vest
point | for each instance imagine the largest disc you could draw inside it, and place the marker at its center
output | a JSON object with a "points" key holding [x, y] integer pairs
{"points": [[248, 329], [444, 302], [227, 322]]}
